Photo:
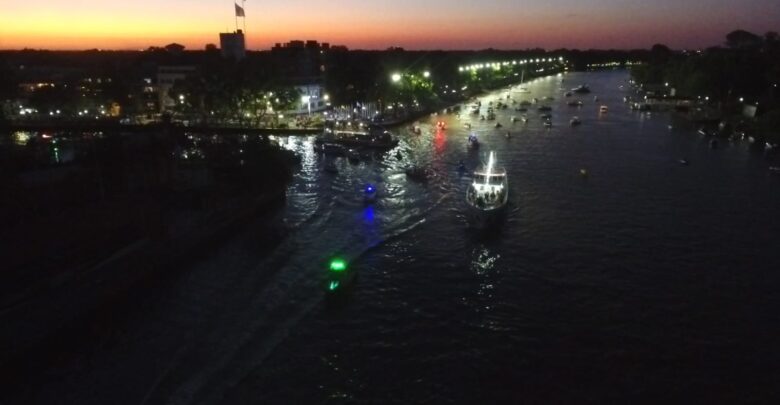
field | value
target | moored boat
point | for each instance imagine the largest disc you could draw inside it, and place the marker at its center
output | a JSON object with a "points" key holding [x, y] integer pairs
{"points": [[370, 136]]}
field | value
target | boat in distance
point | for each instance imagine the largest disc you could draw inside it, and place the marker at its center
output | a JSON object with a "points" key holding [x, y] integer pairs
{"points": [[581, 89]]}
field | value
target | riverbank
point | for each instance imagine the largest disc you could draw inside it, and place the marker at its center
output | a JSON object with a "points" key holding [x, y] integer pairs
{"points": [[72, 254]]}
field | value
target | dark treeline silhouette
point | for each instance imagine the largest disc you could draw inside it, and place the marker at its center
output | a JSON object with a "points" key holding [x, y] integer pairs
{"points": [[744, 71]]}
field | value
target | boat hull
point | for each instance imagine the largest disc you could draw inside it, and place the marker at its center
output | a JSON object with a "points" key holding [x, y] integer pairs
{"points": [[480, 218]]}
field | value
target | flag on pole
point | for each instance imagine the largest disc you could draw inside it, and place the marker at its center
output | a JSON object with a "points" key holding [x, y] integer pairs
{"points": [[239, 10]]}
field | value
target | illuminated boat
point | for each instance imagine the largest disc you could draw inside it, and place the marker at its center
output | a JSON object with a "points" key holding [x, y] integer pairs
{"points": [[441, 125], [371, 136], [488, 193], [369, 194], [340, 276]]}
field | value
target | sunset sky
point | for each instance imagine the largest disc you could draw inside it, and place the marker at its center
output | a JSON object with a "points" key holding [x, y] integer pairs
{"points": [[412, 24]]}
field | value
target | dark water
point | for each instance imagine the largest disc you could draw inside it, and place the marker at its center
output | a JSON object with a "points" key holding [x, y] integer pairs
{"points": [[646, 281]]}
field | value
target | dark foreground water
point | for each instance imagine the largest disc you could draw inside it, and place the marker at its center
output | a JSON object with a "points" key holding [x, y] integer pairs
{"points": [[647, 281]]}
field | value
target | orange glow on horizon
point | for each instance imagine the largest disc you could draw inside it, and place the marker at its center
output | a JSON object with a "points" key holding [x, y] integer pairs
{"points": [[88, 24]]}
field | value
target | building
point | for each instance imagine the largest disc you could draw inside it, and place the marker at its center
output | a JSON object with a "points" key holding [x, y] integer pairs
{"points": [[166, 77], [233, 45]]}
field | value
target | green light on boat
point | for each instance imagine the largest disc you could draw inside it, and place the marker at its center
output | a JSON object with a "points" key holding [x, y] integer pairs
{"points": [[338, 265], [333, 285]]}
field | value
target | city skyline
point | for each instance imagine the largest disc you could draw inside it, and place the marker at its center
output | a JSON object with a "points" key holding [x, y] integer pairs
{"points": [[500, 24]]}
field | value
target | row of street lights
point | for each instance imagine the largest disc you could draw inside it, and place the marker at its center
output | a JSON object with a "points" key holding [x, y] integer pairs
{"points": [[497, 65], [396, 77]]}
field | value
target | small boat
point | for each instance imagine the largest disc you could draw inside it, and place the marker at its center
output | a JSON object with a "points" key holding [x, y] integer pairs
{"points": [[473, 142], [491, 116], [369, 194], [574, 121], [330, 167], [340, 277], [603, 109], [508, 135], [774, 169], [573, 103], [546, 116], [684, 162], [498, 125], [418, 174], [581, 89], [521, 88], [583, 172], [548, 124], [524, 119], [488, 194], [525, 103], [353, 156], [333, 149], [513, 119], [521, 109], [467, 125], [568, 94], [544, 108]]}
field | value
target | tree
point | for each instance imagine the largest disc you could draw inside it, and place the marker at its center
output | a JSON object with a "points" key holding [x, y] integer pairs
{"points": [[741, 39], [660, 53]]}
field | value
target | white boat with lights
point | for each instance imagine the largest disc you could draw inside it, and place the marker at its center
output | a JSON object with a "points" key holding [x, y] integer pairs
{"points": [[488, 193], [361, 136]]}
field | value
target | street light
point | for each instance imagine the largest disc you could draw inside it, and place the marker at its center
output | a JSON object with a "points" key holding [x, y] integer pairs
{"points": [[396, 77], [426, 74]]}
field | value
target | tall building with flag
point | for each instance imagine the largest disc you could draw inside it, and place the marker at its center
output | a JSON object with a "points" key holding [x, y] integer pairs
{"points": [[233, 44]]}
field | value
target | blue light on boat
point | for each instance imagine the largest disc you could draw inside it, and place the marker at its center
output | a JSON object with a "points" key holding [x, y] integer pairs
{"points": [[370, 189]]}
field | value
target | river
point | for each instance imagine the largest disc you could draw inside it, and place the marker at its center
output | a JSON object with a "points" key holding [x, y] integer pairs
{"points": [[647, 279]]}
